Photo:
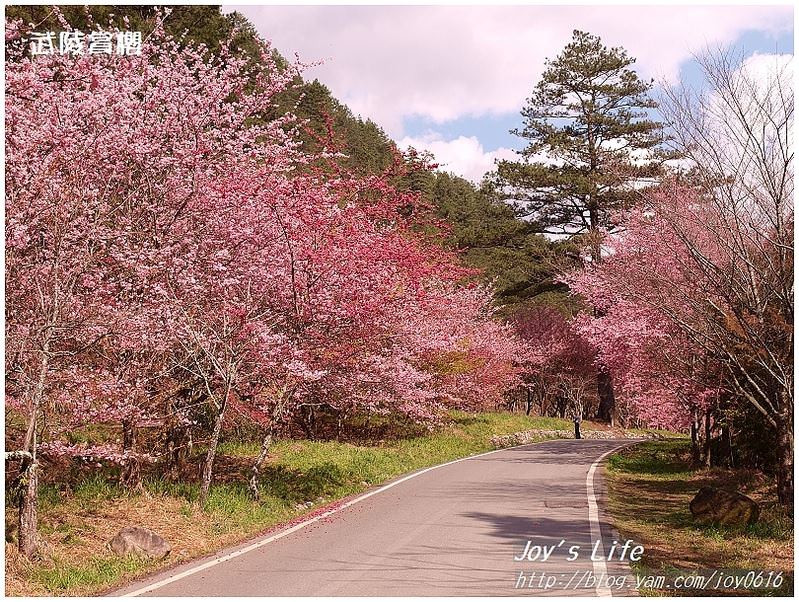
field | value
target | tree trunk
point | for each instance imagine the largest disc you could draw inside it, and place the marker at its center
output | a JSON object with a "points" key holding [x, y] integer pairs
{"points": [[708, 431], [178, 445], [725, 445], [529, 401], [208, 465], [341, 417], [131, 471], [175, 449], [607, 400], [785, 453], [309, 424], [256, 467], [29, 509], [695, 450], [28, 520], [604, 381]]}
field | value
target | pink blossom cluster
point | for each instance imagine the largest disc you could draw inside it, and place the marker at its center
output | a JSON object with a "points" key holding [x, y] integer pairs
{"points": [[643, 297], [167, 236]]}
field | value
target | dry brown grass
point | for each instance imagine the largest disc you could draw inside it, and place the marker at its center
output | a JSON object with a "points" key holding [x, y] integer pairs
{"points": [[650, 488], [73, 531]]}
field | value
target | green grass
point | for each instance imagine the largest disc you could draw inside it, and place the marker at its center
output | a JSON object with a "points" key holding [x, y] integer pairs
{"points": [[660, 432], [656, 459], [320, 471], [299, 476], [64, 576], [306, 470], [650, 487]]}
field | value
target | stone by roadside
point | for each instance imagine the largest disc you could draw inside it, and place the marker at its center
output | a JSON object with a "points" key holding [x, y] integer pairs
{"points": [[139, 541]]}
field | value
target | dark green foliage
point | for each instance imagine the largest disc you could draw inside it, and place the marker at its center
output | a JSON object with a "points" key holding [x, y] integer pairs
{"points": [[521, 263], [366, 147], [586, 115], [43, 17], [747, 441]]}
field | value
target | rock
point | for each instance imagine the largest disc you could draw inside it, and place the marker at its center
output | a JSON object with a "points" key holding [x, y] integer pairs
{"points": [[725, 507], [139, 541]]}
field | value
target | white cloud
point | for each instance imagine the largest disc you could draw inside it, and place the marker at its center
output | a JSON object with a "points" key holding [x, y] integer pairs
{"points": [[445, 62], [462, 156], [744, 123], [769, 70]]}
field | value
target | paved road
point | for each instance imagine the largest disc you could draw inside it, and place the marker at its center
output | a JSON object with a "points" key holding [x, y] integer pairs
{"points": [[453, 530]]}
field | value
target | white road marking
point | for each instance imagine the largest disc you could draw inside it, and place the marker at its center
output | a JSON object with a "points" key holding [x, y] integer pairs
{"points": [[593, 519], [600, 566], [297, 527]]}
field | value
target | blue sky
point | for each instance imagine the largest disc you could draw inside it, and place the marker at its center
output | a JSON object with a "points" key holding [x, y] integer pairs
{"points": [[493, 131], [452, 79]]}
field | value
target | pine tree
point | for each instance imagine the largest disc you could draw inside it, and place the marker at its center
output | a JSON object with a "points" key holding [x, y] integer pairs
{"points": [[591, 140]]}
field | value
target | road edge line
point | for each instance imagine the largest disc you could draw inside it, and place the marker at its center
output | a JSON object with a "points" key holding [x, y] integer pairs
{"points": [[600, 566], [262, 542]]}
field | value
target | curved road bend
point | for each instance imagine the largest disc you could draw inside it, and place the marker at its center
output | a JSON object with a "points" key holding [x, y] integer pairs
{"points": [[453, 530]]}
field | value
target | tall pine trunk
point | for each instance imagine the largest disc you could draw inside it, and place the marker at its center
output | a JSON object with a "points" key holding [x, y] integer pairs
{"points": [[604, 381]]}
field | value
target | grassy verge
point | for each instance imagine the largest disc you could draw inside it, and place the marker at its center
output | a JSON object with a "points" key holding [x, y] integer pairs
{"points": [[649, 489], [300, 475]]}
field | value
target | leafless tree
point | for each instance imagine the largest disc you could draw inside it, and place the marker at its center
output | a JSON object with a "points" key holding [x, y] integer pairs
{"points": [[737, 140]]}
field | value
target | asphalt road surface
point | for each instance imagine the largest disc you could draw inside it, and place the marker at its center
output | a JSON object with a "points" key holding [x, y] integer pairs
{"points": [[459, 529]]}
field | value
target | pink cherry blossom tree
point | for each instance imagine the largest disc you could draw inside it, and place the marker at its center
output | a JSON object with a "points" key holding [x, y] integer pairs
{"points": [[559, 362], [166, 241], [681, 322], [107, 158]]}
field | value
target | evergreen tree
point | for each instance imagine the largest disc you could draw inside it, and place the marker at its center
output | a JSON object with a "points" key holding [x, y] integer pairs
{"points": [[521, 263], [367, 149], [591, 141]]}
